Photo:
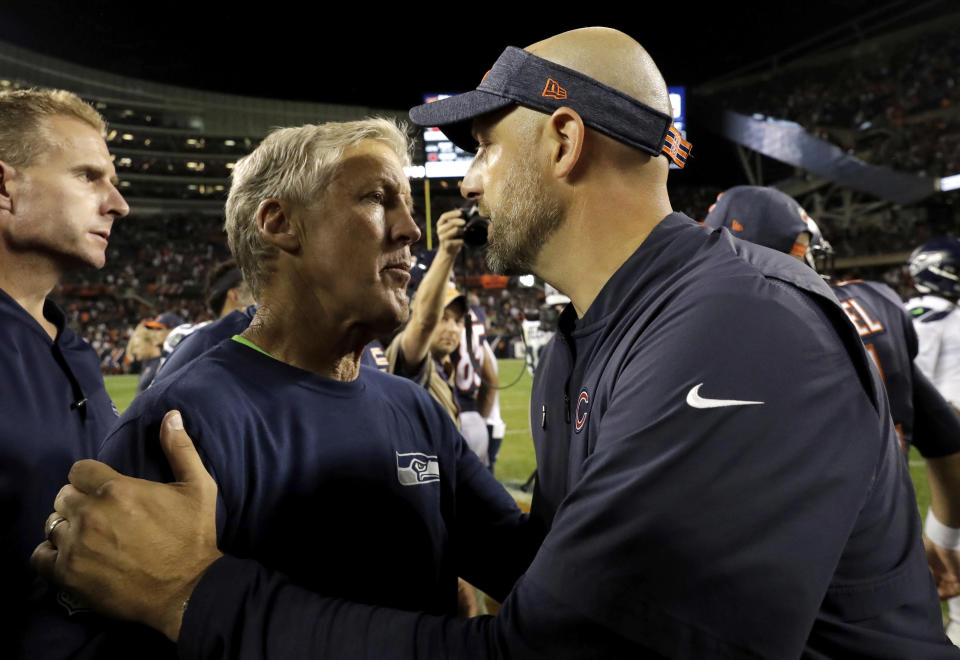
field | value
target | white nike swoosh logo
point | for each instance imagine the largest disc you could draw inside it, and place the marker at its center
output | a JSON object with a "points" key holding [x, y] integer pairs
{"points": [[694, 400]]}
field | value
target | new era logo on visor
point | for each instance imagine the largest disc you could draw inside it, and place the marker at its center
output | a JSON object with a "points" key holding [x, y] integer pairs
{"points": [[736, 226], [416, 469], [553, 90]]}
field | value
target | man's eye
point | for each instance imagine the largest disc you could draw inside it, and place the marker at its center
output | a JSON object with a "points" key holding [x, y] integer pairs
{"points": [[376, 197]]}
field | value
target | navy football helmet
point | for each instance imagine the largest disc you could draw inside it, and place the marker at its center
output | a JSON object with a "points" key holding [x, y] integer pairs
{"points": [[935, 267], [770, 217]]}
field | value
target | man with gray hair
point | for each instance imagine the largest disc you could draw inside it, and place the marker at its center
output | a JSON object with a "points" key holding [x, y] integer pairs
{"points": [[58, 202], [289, 423]]}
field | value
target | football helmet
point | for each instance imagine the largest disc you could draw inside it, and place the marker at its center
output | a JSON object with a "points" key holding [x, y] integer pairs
{"points": [[769, 217], [819, 255], [935, 267]]}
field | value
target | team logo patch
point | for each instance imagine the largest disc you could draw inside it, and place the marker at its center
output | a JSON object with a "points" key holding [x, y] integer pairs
{"points": [[415, 469], [583, 409], [553, 90]]}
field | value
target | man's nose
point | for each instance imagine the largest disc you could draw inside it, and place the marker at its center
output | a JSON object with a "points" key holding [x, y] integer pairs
{"points": [[472, 185], [404, 229], [116, 205]]}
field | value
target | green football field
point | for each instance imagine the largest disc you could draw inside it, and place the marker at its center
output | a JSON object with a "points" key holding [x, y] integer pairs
{"points": [[516, 461]]}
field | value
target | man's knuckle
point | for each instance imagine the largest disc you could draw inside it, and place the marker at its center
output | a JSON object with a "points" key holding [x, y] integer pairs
{"points": [[110, 489]]}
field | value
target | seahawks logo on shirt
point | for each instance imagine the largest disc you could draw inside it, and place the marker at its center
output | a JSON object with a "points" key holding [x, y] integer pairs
{"points": [[416, 469], [72, 603]]}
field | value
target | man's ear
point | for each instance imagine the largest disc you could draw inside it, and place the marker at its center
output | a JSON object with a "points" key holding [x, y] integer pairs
{"points": [[276, 225], [6, 175], [565, 133]]}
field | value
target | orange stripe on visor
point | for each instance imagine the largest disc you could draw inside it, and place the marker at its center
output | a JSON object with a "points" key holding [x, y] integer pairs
{"points": [[675, 147]]}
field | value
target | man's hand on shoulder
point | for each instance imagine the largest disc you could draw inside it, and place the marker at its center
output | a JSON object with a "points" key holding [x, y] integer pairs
{"points": [[134, 549]]}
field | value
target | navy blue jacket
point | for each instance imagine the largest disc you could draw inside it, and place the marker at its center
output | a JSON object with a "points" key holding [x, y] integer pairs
{"points": [[718, 464], [55, 411], [719, 475]]}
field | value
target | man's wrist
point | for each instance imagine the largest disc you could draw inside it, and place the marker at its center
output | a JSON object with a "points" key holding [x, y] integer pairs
{"points": [[944, 536], [446, 253], [171, 618]]}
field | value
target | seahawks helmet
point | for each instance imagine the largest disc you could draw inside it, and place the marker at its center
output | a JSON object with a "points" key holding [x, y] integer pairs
{"points": [[935, 267]]}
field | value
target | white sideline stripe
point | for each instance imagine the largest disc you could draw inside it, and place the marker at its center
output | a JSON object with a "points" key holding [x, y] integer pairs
{"points": [[517, 432], [913, 463]]}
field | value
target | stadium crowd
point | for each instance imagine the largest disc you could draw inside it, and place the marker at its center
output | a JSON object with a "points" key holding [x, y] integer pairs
{"points": [[895, 104]]}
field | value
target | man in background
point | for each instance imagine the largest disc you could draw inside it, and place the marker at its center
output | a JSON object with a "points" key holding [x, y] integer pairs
{"points": [[478, 383], [225, 293], [428, 349], [922, 417], [58, 204], [935, 270], [145, 348]]}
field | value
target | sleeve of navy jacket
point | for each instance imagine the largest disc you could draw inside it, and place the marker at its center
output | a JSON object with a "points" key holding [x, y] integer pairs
{"points": [[719, 475]]}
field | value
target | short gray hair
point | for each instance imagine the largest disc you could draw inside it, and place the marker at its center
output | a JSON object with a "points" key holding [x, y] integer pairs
{"points": [[296, 165], [23, 135]]}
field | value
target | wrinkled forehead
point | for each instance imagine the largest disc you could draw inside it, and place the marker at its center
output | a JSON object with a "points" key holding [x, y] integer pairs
{"points": [[372, 159]]}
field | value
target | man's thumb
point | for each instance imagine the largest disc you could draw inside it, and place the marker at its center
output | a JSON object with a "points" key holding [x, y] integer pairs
{"points": [[181, 454]]}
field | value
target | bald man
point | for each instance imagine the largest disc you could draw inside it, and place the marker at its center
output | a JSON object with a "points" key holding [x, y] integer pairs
{"points": [[693, 508]]}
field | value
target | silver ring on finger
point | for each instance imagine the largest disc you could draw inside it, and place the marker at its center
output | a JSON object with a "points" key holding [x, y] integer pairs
{"points": [[53, 526]]}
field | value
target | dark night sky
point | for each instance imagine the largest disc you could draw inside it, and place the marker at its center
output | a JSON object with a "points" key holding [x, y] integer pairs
{"points": [[389, 59]]}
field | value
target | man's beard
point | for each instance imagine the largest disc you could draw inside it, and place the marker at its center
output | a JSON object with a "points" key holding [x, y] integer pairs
{"points": [[525, 218]]}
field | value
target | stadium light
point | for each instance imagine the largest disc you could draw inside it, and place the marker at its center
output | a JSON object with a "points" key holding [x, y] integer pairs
{"points": [[526, 280], [950, 182]]}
